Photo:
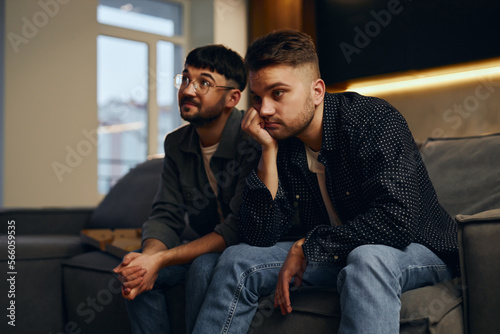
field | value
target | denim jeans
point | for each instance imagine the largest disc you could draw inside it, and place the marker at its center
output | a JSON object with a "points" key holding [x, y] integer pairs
{"points": [[198, 280], [370, 285], [148, 311]]}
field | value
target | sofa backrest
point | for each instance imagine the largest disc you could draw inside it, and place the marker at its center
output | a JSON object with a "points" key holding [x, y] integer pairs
{"points": [[465, 172], [128, 203]]}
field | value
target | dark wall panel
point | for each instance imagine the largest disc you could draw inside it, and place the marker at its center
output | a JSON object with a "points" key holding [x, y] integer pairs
{"points": [[360, 38]]}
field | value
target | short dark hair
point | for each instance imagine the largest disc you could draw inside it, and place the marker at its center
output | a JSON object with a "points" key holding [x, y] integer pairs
{"points": [[221, 59], [282, 47]]}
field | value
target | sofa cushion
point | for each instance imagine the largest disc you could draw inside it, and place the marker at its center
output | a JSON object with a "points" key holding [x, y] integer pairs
{"points": [[38, 247], [128, 203], [465, 172], [433, 309], [89, 276], [430, 309], [96, 261], [315, 310], [38, 296], [92, 294]]}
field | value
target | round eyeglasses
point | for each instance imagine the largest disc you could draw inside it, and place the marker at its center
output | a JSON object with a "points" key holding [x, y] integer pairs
{"points": [[201, 88]]}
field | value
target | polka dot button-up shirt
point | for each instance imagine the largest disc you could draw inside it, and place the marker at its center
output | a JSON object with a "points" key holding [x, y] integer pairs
{"points": [[375, 178]]}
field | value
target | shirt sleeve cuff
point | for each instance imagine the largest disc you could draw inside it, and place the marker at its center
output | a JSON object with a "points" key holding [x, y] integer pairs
{"points": [[254, 183], [229, 231], [156, 230]]}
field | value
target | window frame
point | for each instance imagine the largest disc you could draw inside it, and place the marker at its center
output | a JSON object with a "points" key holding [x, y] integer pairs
{"points": [[151, 41]]}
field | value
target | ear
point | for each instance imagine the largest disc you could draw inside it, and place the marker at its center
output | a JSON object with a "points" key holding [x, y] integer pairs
{"points": [[318, 88], [232, 98]]}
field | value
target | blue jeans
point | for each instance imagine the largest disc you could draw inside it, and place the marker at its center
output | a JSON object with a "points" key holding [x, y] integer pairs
{"points": [[198, 280], [148, 312], [370, 285]]}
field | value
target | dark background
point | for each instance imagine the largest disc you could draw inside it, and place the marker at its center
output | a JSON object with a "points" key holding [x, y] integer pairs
{"points": [[424, 34]]}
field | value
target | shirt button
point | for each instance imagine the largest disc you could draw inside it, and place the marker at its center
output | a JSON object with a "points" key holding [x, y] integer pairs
{"points": [[347, 193], [336, 257], [297, 196]]}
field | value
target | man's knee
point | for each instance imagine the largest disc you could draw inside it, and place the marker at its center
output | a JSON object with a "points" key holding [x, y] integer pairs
{"points": [[247, 260], [368, 264], [204, 264], [237, 255], [371, 257]]}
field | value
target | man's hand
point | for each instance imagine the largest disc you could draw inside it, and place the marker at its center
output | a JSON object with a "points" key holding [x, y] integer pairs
{"points": [[135, 281], [267, 170], [294, 267], [132, 275], [254, 125]]}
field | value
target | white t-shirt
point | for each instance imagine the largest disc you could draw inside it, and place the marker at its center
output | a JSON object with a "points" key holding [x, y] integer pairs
{"points": [[207, 153], [317, 167]]}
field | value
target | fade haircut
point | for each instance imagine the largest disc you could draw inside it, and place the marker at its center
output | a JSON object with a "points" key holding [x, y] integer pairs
{"points": [[282, 47], [220, 59]]}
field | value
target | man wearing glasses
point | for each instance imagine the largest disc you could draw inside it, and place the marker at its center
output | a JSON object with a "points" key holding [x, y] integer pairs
{"points": [[206, 163]]}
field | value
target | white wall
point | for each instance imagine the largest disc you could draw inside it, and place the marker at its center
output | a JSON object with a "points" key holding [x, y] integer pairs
{"points": [[50, 99], [2, 64], [229, 26], [50, 94], [231, 29]]}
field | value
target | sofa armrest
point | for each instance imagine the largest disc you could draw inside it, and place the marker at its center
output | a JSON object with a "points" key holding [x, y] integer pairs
{"points": [[52, 221], [478, 237], [43, 239], [485, 216]]}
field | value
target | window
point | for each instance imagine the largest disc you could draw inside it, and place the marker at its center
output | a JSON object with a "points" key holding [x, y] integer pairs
{"points": [[139, 49]]}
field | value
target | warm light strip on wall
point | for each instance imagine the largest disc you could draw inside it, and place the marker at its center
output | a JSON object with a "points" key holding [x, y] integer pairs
{"points": [[423, 80]]}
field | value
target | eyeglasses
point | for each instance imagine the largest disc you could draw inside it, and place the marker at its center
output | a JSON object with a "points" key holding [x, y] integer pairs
{"points": [[201, 88]]}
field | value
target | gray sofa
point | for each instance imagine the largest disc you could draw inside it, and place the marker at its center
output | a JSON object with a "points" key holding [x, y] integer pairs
{"points": [[63, 285]]}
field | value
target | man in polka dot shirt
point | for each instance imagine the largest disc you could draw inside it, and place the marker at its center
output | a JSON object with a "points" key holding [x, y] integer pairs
{"points": [[342, 171]]}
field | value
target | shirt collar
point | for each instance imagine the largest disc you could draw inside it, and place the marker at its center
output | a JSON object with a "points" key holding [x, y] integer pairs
{"points": [[228, 142], [330, 111]]}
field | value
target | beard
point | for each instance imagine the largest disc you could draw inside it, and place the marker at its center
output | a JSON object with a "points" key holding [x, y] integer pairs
{"points": [[204, 116], [296, 127]]}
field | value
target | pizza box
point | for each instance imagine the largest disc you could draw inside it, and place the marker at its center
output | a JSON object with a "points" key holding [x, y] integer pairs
{"points": [[114, 241]]}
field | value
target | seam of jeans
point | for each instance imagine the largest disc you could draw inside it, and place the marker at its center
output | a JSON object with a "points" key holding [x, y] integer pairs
{"points": [[440, 267], [239, 288]]}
